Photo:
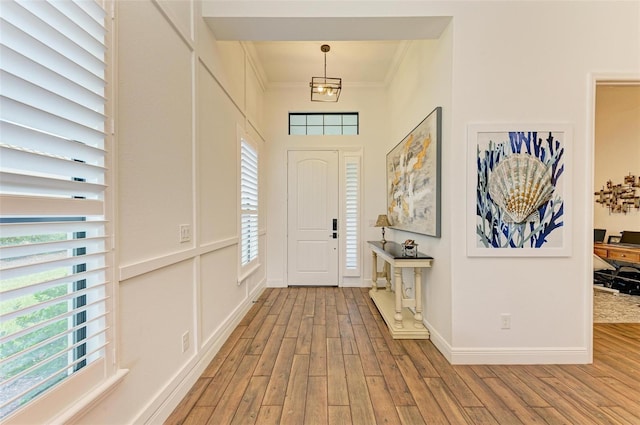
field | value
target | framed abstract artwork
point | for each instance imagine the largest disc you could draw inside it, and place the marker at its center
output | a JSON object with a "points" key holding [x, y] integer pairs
{"points": [[518, 190], [413, 178]]}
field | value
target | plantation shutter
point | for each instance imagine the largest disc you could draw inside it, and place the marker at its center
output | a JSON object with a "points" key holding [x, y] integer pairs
{"points": [[53, 277], [248, 202], [352, 216]]}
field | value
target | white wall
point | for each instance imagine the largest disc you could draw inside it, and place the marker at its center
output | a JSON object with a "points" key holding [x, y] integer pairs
{"points": [[617, 151], [182, 100], [522, 62]]}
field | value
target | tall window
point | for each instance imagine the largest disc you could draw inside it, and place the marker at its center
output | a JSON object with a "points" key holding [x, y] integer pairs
{"points": [[248, 202], [53, 272], [352, 216]]}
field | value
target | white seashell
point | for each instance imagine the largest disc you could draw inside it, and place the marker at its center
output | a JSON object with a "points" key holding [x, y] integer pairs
{"points": [[519, 184]]}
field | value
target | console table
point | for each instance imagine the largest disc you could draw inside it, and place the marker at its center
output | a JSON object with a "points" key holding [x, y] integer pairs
{"points": [[394, 305]]}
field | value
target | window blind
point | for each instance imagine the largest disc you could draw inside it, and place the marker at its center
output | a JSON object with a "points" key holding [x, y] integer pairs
{"points": [[53, 270], [352, 216], [248, 202]]}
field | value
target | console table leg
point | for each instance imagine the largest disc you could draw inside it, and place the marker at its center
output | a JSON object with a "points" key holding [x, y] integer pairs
{"points": [[374, 271], [417, 272], [397, 273], [387, 275]]}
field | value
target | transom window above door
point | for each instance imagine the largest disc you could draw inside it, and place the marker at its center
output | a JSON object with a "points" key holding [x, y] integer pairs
{"points": [[324, 123]]}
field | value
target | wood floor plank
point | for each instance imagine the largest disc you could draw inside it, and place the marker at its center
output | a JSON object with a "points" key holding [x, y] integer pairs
{"points": [[341, 303], [285, 311], [198, 415], [338, 394], [277, 386], [340, 415], [262, 335], [366, 351], [480, 416], [450, 406], [212, 394], [410, 415], [310, 303], [580, 401], [349, 345], [333, 328], [180, 413], [320, 310], [270, 351], [554, 398], [420, 360], [525, 413], [294, 405], [552, 416], [278, 303], [249, 408], [396, 384], [354, 311], [222, 355], [316, 408], [318, 359], [359, 398], [524, 391], [305, 333], [621, 415], [488, 398], [257, 322], [383, 407], [293, 326], [427, 404], [269, 415], [232, 396]]}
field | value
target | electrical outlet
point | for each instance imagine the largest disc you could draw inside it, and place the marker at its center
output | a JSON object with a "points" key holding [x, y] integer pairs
{"points": [[185, 341], [505, 321], [185, 233]]}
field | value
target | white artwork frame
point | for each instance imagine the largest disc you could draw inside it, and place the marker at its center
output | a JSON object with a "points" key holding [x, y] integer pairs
{"points": [[493, 227]]}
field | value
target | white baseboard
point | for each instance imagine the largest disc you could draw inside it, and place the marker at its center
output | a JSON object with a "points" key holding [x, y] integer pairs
{"points": [[507, 355], [186, 378], [550, 355], [276, 283]]}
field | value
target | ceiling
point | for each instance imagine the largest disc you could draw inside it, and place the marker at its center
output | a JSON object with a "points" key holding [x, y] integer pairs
{"points": [[356, 62], [364, 51]]}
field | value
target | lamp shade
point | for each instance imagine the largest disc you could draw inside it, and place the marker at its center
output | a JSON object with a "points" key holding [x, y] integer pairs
{"points": [[382, 221]]}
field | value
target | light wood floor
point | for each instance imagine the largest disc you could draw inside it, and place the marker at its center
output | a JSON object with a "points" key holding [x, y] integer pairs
{"points": [[323, 356]]}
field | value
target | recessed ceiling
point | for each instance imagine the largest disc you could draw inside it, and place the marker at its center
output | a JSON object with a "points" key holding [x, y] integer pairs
{"points": [[356, 62], [364, 51]]}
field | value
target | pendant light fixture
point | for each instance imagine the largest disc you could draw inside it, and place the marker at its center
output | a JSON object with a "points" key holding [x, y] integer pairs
{"points": [[325, 89]]}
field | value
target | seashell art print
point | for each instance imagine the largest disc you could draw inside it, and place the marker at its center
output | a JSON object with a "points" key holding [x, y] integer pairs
{"points": [[519, 185], [520, 190]]}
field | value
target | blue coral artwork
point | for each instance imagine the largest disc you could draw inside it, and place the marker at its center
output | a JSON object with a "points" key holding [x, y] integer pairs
{"points": [[521, 185]]}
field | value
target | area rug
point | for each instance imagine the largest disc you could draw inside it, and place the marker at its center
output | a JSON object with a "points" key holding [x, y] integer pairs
{"points": [[615, 308]]}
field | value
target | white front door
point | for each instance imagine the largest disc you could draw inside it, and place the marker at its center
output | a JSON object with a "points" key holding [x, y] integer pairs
{"points": [[312, 212]]}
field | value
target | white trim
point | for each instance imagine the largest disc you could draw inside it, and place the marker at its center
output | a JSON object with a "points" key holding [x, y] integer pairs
{"points": [[147, 266], [507, 355]]}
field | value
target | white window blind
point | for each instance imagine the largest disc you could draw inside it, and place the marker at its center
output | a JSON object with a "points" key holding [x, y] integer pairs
{"points": [[352, 216], [248, 202], [53, 270]]}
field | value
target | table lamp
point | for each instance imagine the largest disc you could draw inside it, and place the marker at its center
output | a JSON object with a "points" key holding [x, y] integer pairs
{"points": [[382, 221]]}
